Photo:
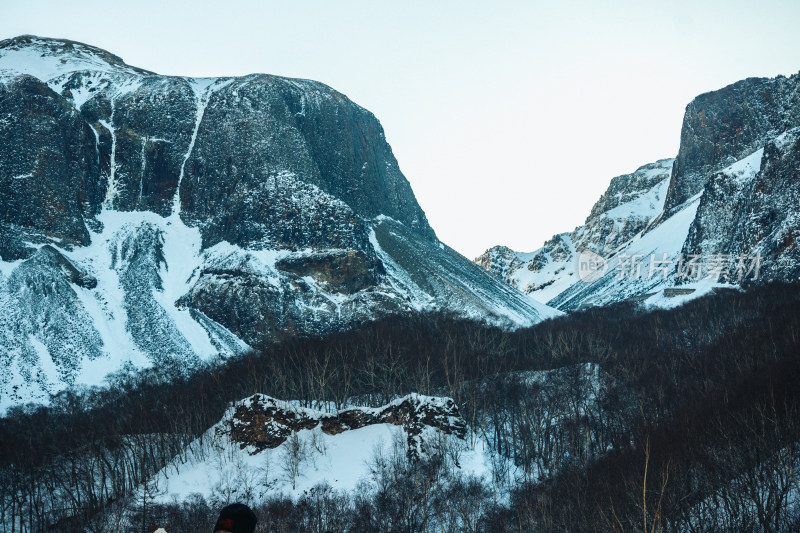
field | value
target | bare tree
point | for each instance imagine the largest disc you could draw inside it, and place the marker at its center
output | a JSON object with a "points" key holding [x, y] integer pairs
{"points": [[294, 455]]}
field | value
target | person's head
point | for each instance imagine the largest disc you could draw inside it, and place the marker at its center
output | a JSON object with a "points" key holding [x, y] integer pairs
{"points": [[236, 518]]}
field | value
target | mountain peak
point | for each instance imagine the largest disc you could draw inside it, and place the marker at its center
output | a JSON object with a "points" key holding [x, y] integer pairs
{"points": [[47, 58]]}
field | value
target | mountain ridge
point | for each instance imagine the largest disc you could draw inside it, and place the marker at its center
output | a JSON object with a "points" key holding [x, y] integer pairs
{"points": [[717, 225]]}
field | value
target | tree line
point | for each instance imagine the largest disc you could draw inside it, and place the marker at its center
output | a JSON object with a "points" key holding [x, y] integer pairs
{"points": [[650, 420]]}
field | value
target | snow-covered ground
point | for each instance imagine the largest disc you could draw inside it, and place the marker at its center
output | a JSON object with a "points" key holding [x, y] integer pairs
{"points": [[264, 447], [217, 466], [341, 461]]}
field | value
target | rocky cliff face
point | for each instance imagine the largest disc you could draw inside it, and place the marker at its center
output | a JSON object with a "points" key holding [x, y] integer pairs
{"points": [[215, 151], [728, 211], [261, 422], [724, 126], [161, 220], [51, 178], [751, 209]]}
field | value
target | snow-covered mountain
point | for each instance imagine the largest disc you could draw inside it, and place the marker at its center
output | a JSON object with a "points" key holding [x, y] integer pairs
{"points": [[161, 220], [623, 212], [723, 213]]}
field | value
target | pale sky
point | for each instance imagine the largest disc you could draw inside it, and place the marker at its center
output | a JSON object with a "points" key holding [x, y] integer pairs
{"points": [[509, 118]]}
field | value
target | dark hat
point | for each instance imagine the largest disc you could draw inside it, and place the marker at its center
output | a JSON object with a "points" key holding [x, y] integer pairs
{"points": [[236, 518]]}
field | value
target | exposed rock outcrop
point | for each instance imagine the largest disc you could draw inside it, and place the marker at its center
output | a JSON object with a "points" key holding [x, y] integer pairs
{"points": [[261, 422]]}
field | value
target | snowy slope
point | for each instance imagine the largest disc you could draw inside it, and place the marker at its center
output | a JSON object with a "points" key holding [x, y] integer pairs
{"points": [[623, 212], [265, 446], [147, 268], [640, 267], [54, 61], [623, 279]]}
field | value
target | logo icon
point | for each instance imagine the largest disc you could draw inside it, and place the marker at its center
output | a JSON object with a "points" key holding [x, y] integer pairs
{"points": [[591, 266]]}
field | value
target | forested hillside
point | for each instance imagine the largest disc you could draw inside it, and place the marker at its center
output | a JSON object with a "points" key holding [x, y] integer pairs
{"points": [[668, 420]]}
